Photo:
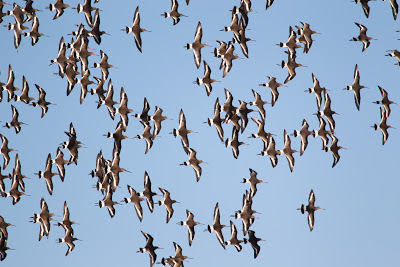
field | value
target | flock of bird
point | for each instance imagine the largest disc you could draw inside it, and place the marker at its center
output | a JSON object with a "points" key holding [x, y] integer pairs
{"points": [[73, 62]]}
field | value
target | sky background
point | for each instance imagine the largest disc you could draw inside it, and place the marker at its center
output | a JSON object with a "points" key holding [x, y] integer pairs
{"points": [[361, 194]]}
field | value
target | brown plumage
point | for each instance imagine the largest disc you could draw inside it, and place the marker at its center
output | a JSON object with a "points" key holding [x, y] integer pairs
{"points": [[310, 208]]}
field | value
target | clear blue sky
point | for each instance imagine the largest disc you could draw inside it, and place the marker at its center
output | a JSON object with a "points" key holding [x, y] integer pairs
{"points": [[361, 194]]}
